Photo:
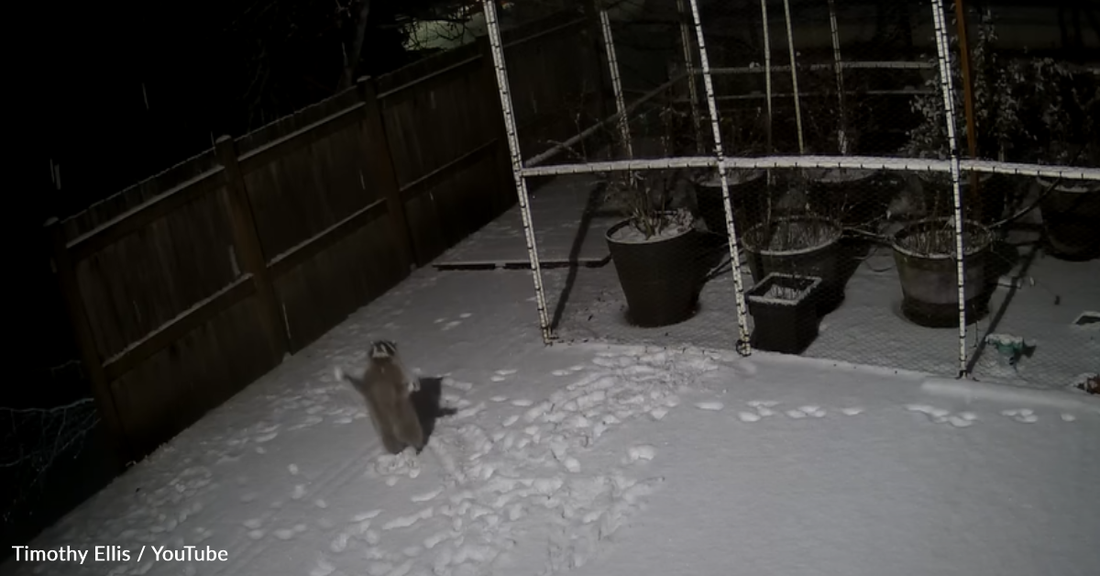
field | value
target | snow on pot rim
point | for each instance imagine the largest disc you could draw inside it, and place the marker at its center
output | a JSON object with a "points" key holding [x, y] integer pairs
{"points": [[812, 283], [984, 237], [833, 236], [1071, 186], [625, 232]]}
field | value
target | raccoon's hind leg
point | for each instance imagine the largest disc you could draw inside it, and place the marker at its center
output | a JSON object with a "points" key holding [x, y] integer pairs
{"points": [[384, 427], [407, 425]]}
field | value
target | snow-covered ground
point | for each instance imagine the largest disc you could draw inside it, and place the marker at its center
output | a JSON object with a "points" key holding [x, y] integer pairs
{"points": [[603, 460]]}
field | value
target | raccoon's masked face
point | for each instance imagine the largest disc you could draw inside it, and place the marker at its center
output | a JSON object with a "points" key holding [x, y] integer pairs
{"points": [[383, 349]]}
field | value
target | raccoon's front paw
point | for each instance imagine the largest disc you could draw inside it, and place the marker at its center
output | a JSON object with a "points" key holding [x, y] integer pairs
{"points": [[413, 385]]}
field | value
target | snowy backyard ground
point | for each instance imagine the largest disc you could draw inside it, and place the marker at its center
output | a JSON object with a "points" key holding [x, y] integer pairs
{"points": [[605, 460]]}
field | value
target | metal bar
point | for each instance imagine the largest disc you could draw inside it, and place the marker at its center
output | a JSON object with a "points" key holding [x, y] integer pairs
{"points": [[813, 161], [867, 65], [558, 148], [743, 346], [689, 67], [767, 68], [842, 130], [794, 77], [616, 81], [517, 161], [949, 107]]}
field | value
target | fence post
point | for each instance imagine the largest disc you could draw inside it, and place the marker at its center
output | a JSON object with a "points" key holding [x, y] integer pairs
{"points": [[380, 163], [248, 242], [121, 450]]}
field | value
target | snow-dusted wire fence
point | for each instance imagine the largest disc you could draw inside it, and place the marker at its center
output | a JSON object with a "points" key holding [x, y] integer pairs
{"points": [[841, 178]]}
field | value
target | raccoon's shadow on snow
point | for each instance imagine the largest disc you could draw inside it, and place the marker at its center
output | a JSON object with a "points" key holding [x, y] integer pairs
{"points": [[426, 403]]}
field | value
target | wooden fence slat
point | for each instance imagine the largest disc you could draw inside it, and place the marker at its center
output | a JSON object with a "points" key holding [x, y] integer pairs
{"points": [[503, 179], [287, 261], [247, 240], [141, 216], [120, 449], [380, 164], [125, 361]]}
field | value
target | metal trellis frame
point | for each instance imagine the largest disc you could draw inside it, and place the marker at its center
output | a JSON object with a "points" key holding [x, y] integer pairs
{"points": [[743, 345], [517, 162], [943, 49]]}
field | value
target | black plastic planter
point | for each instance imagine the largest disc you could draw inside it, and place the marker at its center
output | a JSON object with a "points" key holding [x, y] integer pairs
{"points": [[660, 278], [747, 189], [820, 259], [1071, 219], [784, 312], [929, 282]]}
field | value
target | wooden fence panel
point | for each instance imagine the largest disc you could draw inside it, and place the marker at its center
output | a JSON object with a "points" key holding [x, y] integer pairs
{"points": [[185, 285], [323, 290], [139, 194], [134, 286], [298, 195], [437, 121], [173, 388]]}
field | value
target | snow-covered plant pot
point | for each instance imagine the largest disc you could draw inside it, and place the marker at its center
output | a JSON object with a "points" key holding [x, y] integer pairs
{"points": [[747, 189], [802, 244], [784, 312], [1071, 219], [925, 256], [853, 196], [660, 274]]}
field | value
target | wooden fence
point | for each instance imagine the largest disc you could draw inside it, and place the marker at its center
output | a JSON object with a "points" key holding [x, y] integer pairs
{"points": [[188, 286]]}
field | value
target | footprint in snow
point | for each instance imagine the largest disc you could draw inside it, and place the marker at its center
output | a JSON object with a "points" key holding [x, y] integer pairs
{"points": [[265, 437], [712, 406], [1023, 415], [814, 411], [640, 452]]}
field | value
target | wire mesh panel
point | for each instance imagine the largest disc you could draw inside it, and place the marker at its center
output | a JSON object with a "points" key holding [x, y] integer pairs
{"points": [[805, 180]]}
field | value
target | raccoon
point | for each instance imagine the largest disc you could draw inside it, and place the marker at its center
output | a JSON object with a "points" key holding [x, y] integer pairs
{"points": [[386, 385]]}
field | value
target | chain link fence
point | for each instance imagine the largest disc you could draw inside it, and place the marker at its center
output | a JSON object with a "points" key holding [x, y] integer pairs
{"points": [[803, 179]]}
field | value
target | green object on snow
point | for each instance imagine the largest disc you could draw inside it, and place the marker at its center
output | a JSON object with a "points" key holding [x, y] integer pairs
{"points": [[1009, 346]]}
